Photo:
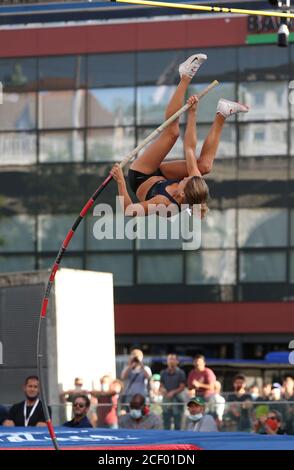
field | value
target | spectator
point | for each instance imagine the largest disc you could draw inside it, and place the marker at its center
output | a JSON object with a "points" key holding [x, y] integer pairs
{"points": [[81, 405], [135, 376], [155, 394], [254, 392], [276, 397], [288, 388], [3, 414], [69, 395], [201, 378], [197, 420], [266, 391], [276, 392], [172, 386], [270, 424], [139, 417], [108, 402], [239, 411], [28, 412], [217, 403]]}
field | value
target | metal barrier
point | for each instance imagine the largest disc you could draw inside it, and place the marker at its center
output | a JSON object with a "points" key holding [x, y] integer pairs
{"points": [[263, 417]]}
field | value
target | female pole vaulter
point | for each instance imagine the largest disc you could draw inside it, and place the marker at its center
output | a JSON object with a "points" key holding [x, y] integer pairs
{"points": [[156, 182]]}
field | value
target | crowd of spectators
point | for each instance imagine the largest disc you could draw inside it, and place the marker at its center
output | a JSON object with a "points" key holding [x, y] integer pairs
{"points": [[169, 400]]}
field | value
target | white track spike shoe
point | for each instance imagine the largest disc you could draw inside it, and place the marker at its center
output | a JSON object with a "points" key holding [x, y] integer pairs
{"points": [[227, 108], [191, 65]]}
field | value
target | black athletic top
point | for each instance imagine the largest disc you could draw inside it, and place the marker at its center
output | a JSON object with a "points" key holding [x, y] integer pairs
{"points": [[159, 189], [16, 414]]}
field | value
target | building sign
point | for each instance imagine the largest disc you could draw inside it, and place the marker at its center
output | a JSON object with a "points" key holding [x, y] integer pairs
{"points": [[265, 24]]}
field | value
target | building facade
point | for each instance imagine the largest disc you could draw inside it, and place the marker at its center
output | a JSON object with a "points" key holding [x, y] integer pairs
{"points": [[78, 98]]}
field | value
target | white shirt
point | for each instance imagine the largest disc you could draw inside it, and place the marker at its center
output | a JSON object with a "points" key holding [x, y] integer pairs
{"points": [[216, 405]]}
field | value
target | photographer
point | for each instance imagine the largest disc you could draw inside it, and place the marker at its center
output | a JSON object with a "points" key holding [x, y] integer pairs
{"points": [[135, 376]]}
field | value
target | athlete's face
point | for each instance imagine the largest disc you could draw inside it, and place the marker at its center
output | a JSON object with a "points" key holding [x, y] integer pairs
{"points": [[183, 182]]}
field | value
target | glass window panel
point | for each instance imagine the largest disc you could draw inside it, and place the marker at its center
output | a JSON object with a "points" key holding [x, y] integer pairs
{"points": [[111, 241], [68, 261], [111, 107], [19, 189], [291, 49], [164, 232], [61, 146], [17, 233], [66, 72], [121, 265], [109, 144], [227, 145], [63, 188], [211, 267], [18, 148], [58, 109], [206, 111], [219, 229], [160, 269], [221, 64], [18, 74], [292, 267], [292, 227], [10, 264], [292, 137], [262, 227], [159, 67], [111, 70], [267, 101], [223, 170], [52, 230], [263, 267], [151, 103], [263, 139], [263, 63], [262, 169], [18, 111]]}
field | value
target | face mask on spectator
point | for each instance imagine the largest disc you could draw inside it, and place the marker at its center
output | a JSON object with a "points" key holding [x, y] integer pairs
{"points": [[254, 396], [272, 423], [104, 387], [195, 417], [135, 414]]}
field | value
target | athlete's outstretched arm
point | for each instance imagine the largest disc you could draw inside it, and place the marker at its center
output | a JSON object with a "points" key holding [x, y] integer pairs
{"points": [[118, 175], [190, 139]]}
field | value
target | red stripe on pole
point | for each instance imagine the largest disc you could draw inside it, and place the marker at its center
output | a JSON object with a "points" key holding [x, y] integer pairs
{"points": [[86, 207], [53, 272], [51, 429], [68, 238], [44, 307]]}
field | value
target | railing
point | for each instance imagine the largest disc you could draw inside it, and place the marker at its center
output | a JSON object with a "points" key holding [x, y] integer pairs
{"points": [[263, 417]]}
